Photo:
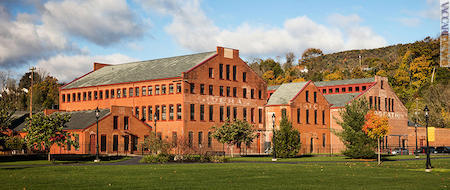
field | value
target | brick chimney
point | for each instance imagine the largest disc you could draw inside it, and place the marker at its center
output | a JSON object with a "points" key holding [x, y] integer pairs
{"points": [[98, 66]]}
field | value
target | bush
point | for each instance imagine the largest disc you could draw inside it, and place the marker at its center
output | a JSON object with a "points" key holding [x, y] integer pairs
{"points": [[159, 158], [14, 143]]}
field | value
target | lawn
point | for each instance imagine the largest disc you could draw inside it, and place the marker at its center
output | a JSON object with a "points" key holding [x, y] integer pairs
{"points": [[351, 175], [46, 162], [326, 158]]}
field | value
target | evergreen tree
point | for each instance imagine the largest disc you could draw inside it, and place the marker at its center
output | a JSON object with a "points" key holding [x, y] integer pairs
{"points": [[287, 140]]}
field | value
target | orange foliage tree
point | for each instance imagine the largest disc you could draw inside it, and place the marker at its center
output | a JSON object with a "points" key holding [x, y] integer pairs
{"points": [[376, 127]]}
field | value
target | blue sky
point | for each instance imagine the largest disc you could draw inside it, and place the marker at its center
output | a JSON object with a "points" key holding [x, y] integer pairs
{"points": [[64, 37]]}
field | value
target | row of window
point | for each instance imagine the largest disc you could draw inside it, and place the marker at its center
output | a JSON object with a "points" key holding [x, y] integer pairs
{"points": [[122, 93], [225, 91], [246, 112], [126, 143], [228, 73], [307, 116], [160, 112], [343, 89], [375, 103]]}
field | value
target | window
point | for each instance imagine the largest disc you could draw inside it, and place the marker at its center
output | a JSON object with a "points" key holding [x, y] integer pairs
{"points": [[252, 93], [106, 94], [235, 113], [150, 113], [307, 96], [90, 95], [307, 116], [190, 136], [244, 113], [178, 87], [260, 115], [126, 141], [202, 89], [385, 104], [112, 93], [234, 92], [179, 112], [343, 89], [136, 112], [144, 90], [115, 122], [200, 138], [298, 115], [336, 90], [375, 102], [228, 112], [244, 77], [163, 89], [115, 143], [228, 91], [79, 96], [379, 104], [259, 94], [350, 89], [221, 90], [324, 91], [95, 96], [315, 117], [228, 72], [170, 88], [381, 84], [357, 89], [85, 96], [315, 97], [150, 90], [124, 92], [220, 71], [389, 104], [209, 140], [163, 112], [211, 113], [125, 123], [144, 113], [131, 92], [244, 92], [221, 113], [103, 143], [252, 115], [283, 113], [392, 105], [63, 98], [192, 87], [323, 117], [156, 89], [211, 89], [136, 91], [363, 88], [170, 112], [202, 112], [330, 90], [370, 101], [211, 74], [323, 140], [234, 72], [192, 112], [174, 139], [73, 97], [156, 113]]}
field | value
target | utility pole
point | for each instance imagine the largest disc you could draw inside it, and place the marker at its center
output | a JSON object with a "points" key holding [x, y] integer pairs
{"points": [[32, 69]]}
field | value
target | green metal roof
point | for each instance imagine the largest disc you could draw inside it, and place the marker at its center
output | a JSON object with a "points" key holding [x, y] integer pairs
{"points": [[285, 93], [344, 82], [339, 100], [141, 71]]}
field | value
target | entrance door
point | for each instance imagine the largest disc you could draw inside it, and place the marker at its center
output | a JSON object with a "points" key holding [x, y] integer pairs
{"points": [[311, 146], [92, 144], [133, 144], [126, 141]]}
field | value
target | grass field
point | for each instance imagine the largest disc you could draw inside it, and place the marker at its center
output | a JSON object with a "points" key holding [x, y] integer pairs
{"points": [[46, 162], [351, 175], [326, 158]]}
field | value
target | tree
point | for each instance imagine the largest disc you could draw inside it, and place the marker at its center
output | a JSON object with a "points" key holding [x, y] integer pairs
{"points": [[43, 131], [25, 81], [287, 140], [156, 145], [233, 133], [358, 144], [290, 57], [376, 127]]}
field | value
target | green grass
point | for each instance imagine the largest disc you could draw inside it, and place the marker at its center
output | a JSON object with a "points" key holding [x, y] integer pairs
{"points": [[325, 158], [391, 175], [46, 162]]}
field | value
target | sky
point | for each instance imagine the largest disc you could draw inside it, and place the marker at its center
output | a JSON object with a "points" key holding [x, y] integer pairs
{"points": [[64, 37]]}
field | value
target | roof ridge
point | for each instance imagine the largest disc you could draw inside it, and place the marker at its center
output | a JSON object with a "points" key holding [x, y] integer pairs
{"points": [[178, 56]]}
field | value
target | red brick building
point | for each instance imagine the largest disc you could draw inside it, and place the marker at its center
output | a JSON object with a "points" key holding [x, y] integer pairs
{"points": [[185, 95]]}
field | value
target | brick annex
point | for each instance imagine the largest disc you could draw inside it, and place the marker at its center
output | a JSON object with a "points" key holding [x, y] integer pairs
{"points": [[181, 98]]}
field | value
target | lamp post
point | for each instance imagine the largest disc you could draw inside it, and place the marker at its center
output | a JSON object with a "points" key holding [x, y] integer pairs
{"points": [[415, 126], [274, 158], [155, 118], [428, 163], [97, 159]]}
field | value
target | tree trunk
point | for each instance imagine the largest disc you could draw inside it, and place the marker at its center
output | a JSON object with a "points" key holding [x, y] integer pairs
{"points": [[379, 156], [231, 150], [48, 156]]}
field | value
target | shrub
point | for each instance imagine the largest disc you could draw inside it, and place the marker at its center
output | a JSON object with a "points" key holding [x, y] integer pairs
{"points": [[14, 143], [159, 158]]}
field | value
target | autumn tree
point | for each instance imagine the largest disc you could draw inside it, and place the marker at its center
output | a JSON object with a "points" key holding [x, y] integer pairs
{"points": [[44, 131], [376, 127], [233, 133]]}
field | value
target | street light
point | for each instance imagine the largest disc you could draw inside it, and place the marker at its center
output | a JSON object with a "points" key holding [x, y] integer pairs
{"points": [[97, 111], [274, 158], [428, 163], [415, 126]]}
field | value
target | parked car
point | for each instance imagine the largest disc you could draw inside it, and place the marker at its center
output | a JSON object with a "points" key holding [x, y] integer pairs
{"points": [[443, 149], [401, 151], [423, 150]]}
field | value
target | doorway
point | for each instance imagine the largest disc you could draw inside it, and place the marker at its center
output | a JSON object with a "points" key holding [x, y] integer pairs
{"points": [[92, 144], [311, 146]]}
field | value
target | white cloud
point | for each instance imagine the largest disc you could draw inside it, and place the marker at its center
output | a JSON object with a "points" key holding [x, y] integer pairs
{"points": [[432, 10], [68, 67], [411, 22], [193, 30]]}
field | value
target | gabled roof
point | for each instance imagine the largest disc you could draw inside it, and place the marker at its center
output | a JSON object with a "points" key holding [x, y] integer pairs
{"points": [[273, 87], [339, 100], [141, 71], [344, 82], [285, 93], [78, 120]]}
